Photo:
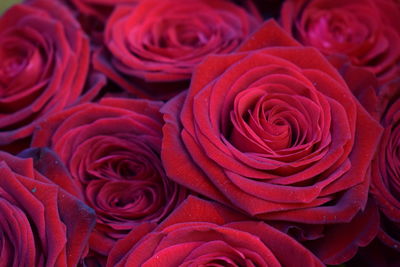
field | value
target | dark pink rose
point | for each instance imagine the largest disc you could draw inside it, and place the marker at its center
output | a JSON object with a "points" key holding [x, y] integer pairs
{"points": [[162, 41], [273, 130], [112, 150], [44, 59], [386, 167], [202, 233], [40, 223], [366, 31]]}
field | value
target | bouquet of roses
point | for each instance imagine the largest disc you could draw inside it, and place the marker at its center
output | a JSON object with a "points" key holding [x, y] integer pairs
{"points": [[200, 133]]}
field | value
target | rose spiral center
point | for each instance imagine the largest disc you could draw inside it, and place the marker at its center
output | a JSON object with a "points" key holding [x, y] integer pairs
{"points": [[336, 30], [270, 123], [20, 66]]}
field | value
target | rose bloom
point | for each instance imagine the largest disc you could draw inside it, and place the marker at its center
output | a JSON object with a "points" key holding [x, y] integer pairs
{"points": [[40, 223], [162, 41], [366, 31], [273, 130], [112, 150], [44, 65], [202, 233], [386, 168]]}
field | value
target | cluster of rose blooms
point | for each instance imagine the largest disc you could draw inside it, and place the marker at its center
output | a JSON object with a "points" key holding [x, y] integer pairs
{"points": [[200, 133]]}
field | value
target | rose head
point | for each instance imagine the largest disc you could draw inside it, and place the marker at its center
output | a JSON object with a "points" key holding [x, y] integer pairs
{"points": [[386, 168], [272, 130], [201, 233], [162, 41], [366, 31], [44, 59], [112, 150], [40, 223]]}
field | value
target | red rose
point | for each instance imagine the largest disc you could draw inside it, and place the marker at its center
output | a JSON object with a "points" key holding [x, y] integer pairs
{"points": [[201, 233], [366, 31], [162, 41], [386, 168], [44, 64], [40, 224], [274, 131], [112, 150]]}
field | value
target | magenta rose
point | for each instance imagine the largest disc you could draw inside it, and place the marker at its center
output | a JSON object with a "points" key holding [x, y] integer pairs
{"points": [[162, 41], [386, 168], [273, 130], [44, 65], [112, 150], [202, 233], [366, 31], [40, 223]]}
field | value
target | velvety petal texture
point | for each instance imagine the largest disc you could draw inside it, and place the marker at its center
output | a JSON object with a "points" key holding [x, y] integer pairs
{"points": [[272, 130], [202, 233], [162, 41], [366, 31], [44, 58], [40, 223], [112, 150]]}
